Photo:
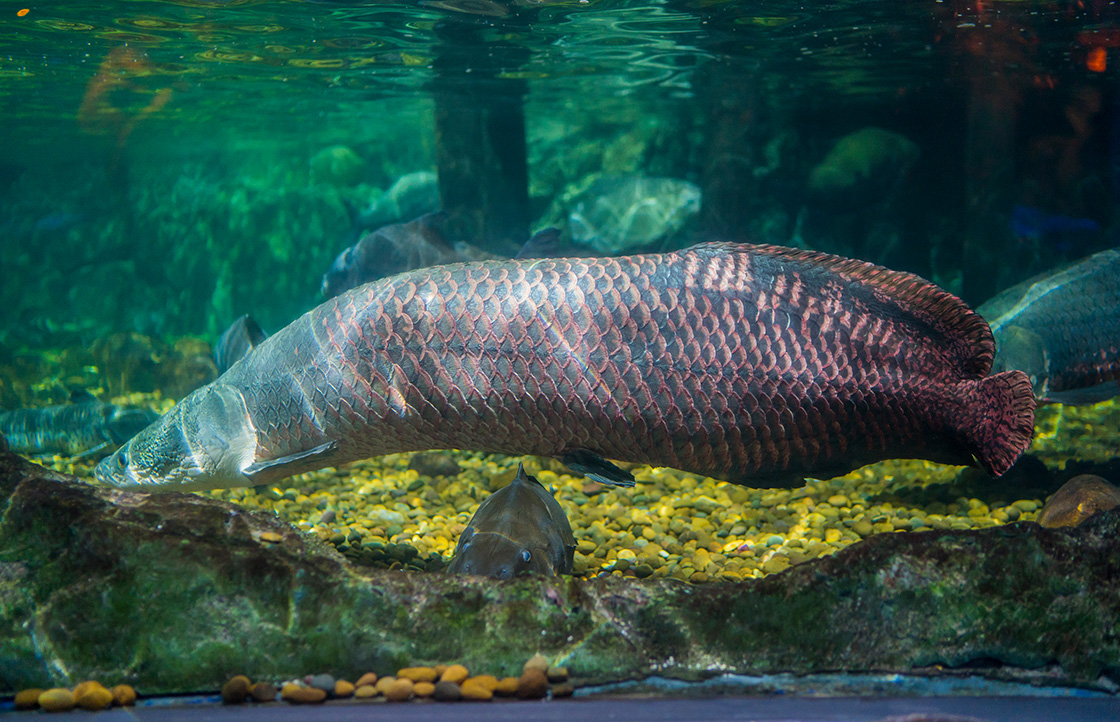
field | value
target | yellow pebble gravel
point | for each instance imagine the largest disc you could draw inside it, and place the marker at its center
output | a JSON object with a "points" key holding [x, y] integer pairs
{"points": [[671, 525]]}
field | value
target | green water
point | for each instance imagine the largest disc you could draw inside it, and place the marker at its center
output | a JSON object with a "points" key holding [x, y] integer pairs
{"points": [[156, 154], [166, 166]]}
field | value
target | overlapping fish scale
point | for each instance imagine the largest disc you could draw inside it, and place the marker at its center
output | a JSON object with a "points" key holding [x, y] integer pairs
{"points": [[725, 363]]}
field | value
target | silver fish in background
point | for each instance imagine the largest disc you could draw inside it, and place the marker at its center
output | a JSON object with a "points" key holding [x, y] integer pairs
{"points": [[520, 529], [72, 429], [395, 248], [420, 243], [1063, 329]]}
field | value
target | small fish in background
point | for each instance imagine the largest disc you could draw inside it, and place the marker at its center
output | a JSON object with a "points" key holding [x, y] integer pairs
{"points": [[520, 529], [58, 221], [1028, 222], [419, 243], [1062, 328], [242, 336], [83, 427]]}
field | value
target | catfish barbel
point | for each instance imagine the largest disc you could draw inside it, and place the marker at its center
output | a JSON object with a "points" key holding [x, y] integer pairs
{"points": [[755, 364]]}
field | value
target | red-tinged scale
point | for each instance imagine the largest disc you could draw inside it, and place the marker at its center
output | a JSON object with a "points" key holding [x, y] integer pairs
{"points": [[760, 365]]}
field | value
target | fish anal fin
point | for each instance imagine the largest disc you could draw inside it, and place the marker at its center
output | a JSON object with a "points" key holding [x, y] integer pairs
{"points": [[297, 461], [596, 468]]}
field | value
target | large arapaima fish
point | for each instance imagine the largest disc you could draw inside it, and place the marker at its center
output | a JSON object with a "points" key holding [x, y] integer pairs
{"points": [[756, 364]]}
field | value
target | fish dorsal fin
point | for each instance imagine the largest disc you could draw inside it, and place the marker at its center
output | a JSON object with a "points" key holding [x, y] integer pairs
{"points": [[968, 334]]}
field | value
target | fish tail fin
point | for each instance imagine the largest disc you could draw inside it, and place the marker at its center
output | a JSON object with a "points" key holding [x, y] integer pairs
{"points": [[997, 421]]}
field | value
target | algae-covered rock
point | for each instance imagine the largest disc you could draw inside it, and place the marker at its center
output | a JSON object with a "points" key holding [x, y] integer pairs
{"points": [[337, 165], [176, 592], [863, 164], [626, 213]]}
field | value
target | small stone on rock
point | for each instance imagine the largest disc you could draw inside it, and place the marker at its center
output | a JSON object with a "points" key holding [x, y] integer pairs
{"points": [[488, 681], [365, 691], [398, 690], [532, 685], [58, 699], [418, 674], [298, 694], [342, 688], [423, 689], [447, 691], [368, 678], [263, 692], [563, 690], [507, 686], [94, 697], [124, 696], [456, 673], [557, 674], [324, 682], [1077, 500], [476, 690], [537, 662], [383, 684], [27, 698], [236, 690]]}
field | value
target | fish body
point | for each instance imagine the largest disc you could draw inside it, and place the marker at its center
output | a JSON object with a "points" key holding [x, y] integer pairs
{"points": [[519, 529], [754, 364], [72, 429], [1063, 329]]}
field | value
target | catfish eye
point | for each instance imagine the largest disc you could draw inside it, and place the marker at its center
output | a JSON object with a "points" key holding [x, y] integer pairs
{"points": [[526, 557]]}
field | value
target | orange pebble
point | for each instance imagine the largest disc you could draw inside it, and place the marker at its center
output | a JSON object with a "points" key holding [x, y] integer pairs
{"points": [[123, 695], [456, 673], [488, 681]]}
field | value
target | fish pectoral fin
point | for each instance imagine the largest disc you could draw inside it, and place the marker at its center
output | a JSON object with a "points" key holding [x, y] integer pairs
{"points": [[596, 468], [297, 459]]}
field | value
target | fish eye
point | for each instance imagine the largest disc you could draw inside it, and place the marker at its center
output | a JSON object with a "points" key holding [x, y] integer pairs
{"points": [[122, 460], [526, 557]]}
